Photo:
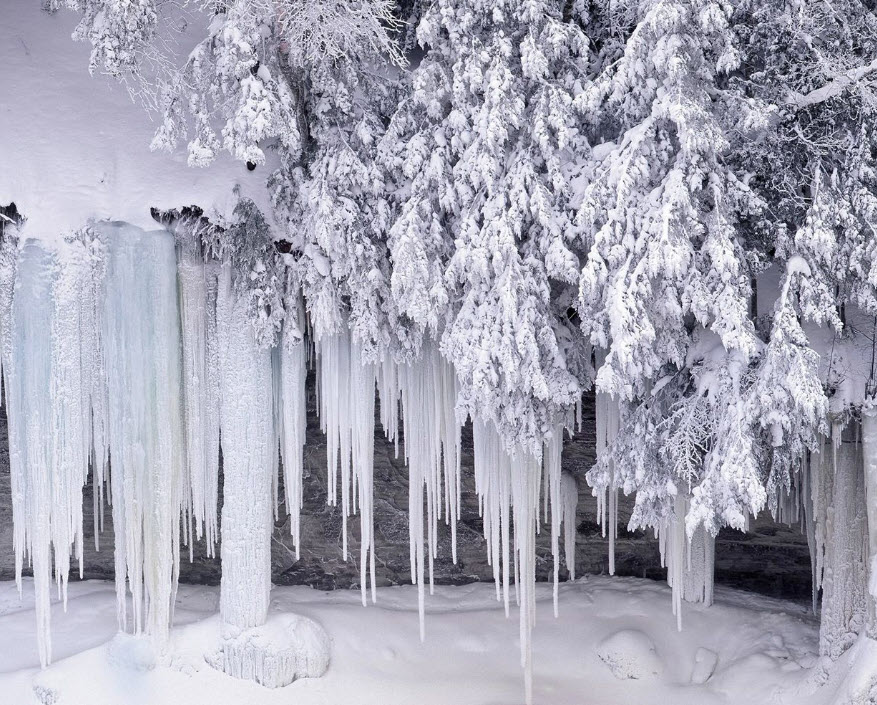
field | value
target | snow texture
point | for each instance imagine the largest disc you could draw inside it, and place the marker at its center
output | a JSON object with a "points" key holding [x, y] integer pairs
{"points": [[630, 654], [282, 650]]}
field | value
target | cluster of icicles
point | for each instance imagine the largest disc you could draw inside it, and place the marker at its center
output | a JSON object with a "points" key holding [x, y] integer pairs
{"points": [[130, 353]]}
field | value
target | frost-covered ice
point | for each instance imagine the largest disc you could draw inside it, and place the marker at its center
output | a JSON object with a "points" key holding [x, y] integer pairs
{"points": [[766, 650]]}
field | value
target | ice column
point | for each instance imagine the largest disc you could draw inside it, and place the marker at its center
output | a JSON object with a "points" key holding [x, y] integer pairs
{"points": [[690, 561], [246, 418], [141, 333], [842, 538]]}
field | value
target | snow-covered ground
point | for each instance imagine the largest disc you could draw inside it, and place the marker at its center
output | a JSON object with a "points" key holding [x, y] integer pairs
{"points": [[764, 649]]}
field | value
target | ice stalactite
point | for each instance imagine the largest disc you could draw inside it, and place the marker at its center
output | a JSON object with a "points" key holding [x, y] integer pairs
{"points": [[700, 561], [690, 560], [52, 381], [869, 454], [362, 432], [428, 391], [808, 472], [841, 544], [292, 419], [569, 495], [198, 291], [347, 417], [247, 431], [608, 421], [141, 337], [28, 395], [508, 490]]}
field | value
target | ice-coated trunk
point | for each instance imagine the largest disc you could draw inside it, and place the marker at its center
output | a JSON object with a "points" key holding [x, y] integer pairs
{"points": [[141, 335], [841, 539], [869, 453], [248, 450]]}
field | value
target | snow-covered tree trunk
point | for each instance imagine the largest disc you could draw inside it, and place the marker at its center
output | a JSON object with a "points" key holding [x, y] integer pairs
{"points": [[247, 452], [842, 537], [288, 647]]}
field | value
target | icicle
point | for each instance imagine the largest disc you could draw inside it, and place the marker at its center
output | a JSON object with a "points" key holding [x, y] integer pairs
{"points": [[347, 417], [30, 417], [608, 421], [690, 562], [554, 480], [198, 282], [48, 354], [699, 567], [293, 423], [504, 482], [142, 350], [428, 388], [569, 495]]}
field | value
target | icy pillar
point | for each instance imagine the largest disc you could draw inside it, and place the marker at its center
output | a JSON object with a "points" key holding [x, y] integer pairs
{"points": [[869, 451], [247, 433]]}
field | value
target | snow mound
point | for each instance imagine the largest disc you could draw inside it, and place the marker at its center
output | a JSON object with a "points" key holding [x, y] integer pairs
{"points": [[287, 647], [132, 652], [630, 655], [705, 662]]}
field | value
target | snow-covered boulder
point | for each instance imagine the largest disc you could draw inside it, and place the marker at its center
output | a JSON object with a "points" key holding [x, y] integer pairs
{"points": [[287, 647], [134, 652], [630, 654], [705, 662]]}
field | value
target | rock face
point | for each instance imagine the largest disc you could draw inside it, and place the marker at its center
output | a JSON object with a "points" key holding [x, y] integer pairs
{"points": [[772, 559]]}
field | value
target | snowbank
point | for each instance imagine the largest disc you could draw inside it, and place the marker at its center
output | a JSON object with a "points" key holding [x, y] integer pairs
{"points": [[75, 147], [765, 650]]}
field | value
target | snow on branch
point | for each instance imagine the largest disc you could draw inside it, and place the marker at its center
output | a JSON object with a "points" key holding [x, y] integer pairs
{"points": [[833, 88]]}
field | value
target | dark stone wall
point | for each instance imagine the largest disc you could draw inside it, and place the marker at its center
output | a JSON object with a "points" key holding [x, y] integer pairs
{"points": [[772, 559]]}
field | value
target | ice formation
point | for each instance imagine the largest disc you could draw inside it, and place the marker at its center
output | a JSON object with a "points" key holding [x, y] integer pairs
{"points": [[869, 453], [428, 391], [198, 281], [347, 417], [248, 450], [133, 352], [841, 544], [291, 361], [608, 420], [141, 344], [508, 491], [690, 560]]}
